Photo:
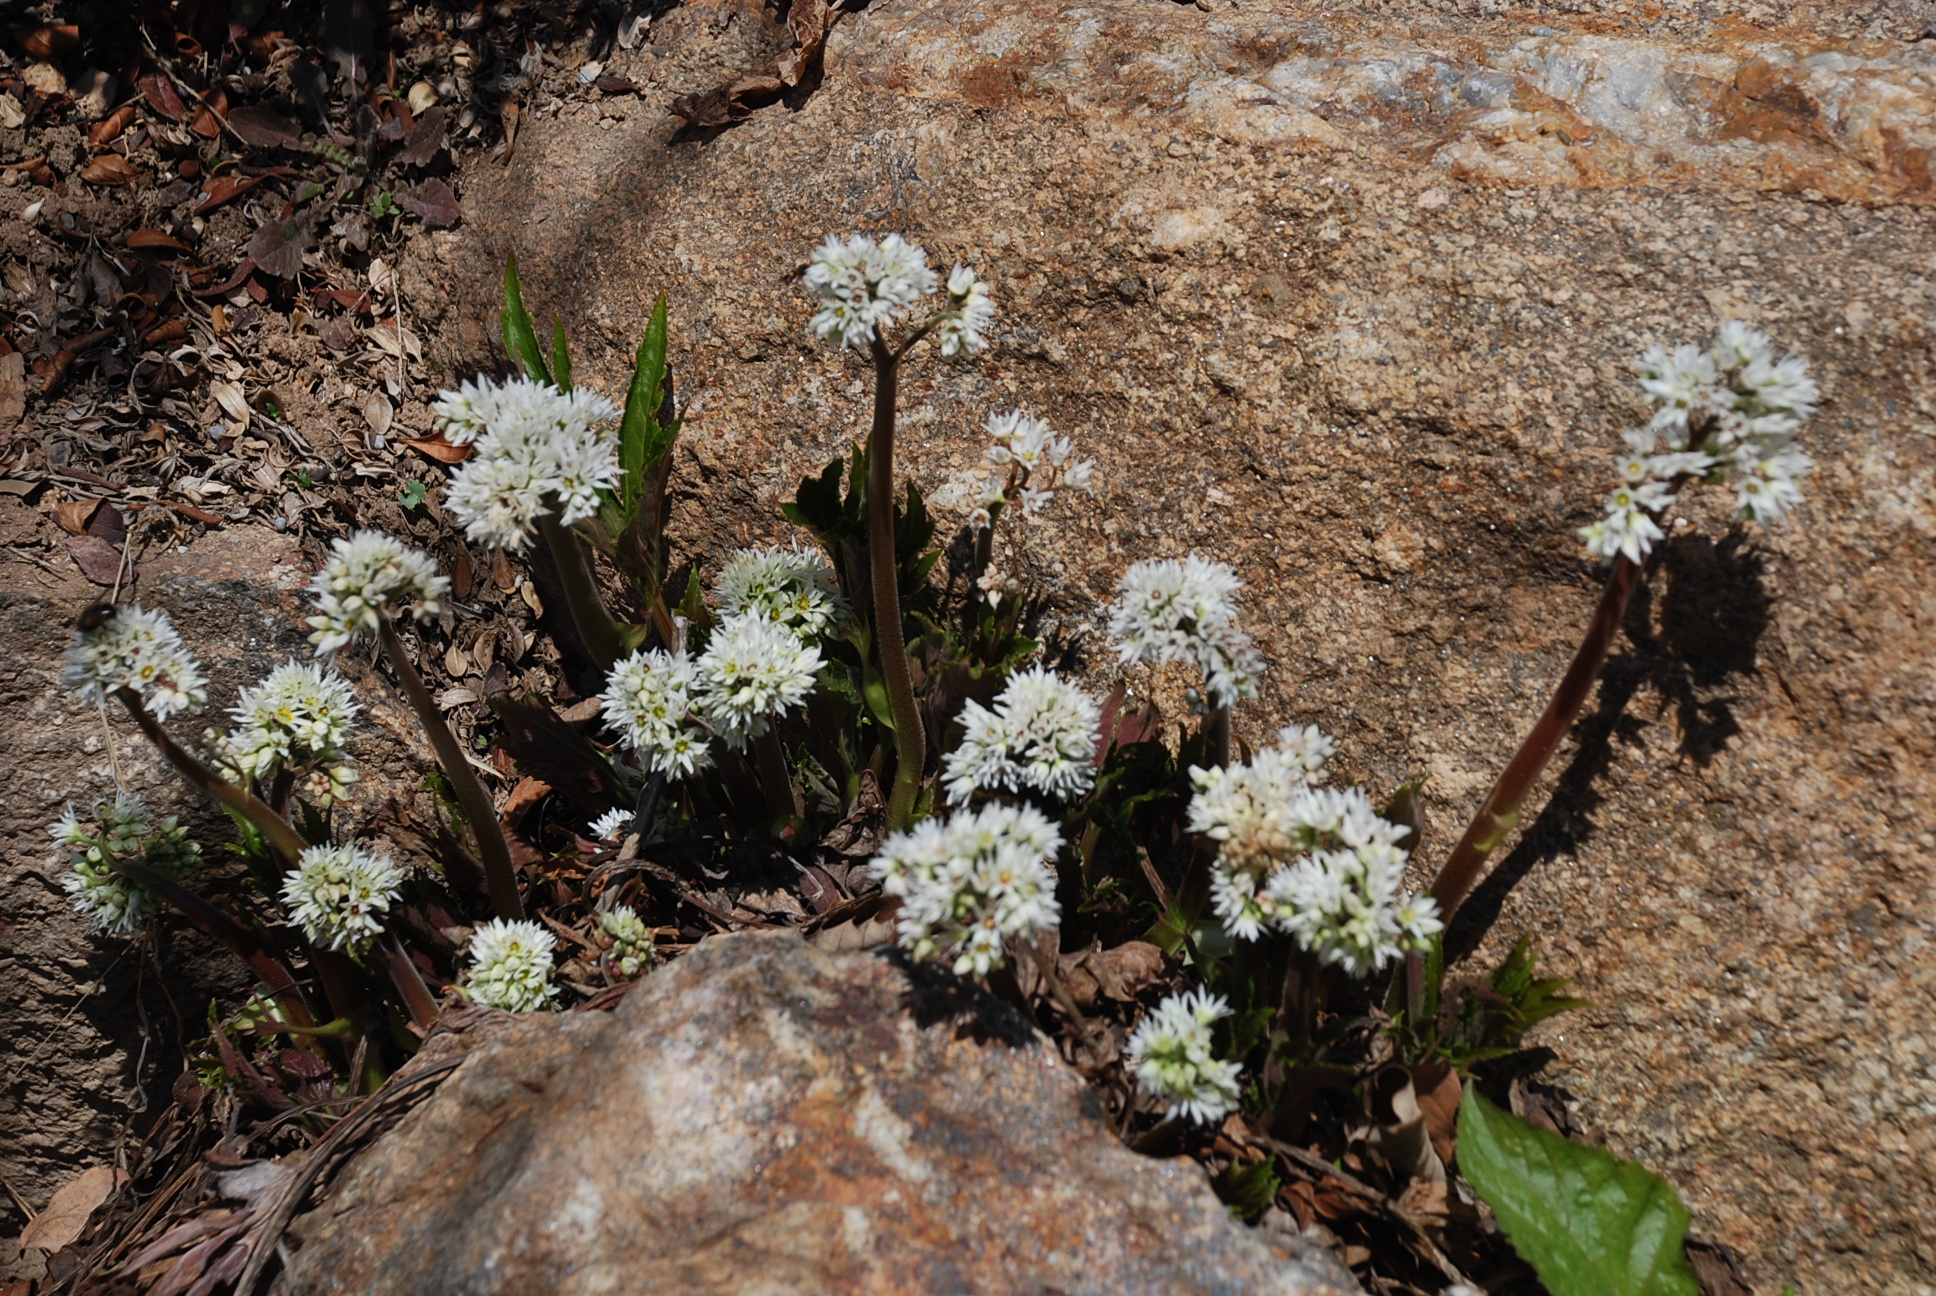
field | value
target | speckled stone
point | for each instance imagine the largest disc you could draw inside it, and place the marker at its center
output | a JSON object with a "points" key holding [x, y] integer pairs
{"points": [[765, 1117], [1347, 296]]}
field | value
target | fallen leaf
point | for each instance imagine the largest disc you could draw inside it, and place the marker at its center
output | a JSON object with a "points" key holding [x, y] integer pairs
{"points": [[438, 448], [807, 19], [1717, 1267], [110, 169], [210, 114], [74, 515], [67, 1214], [102, 132], [109, 525], [432, 202], [153, 240], [1125, 971], [454, 698], [529, 593], [12, 115], [426, 139], [98, 560], [277, 248], [1436, 1089], [161, 96], [613, 85], [526, 794], [225, 189], [261, 126], [52, 42], [378, 412], [229, 396], [13, 390]]}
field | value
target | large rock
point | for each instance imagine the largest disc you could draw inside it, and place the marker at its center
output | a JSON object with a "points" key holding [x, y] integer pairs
{"points": [[1347, 296], [765, 1117]]}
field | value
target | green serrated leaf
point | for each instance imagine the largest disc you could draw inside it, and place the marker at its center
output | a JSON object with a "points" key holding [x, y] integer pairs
{"points": [[1587, 1222], [1247, 1190], [520, 335]]}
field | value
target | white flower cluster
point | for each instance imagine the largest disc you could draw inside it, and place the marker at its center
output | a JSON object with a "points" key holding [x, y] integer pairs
{"points": [[139, 651], [1040, 735], [650, 702], [1727, 413], [972, 882], [611, 825], [1170, 1055], [122, 829], [790, 586], [539, 451], [297, 717], [1186, 611], [865, 285], [339, 894], [965, 327], [1032, 465], [753, 670], [511, 965], [632, 949], [1316, 862], [368, 580]]}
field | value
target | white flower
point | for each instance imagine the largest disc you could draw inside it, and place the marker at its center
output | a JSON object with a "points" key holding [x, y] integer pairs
{"points": [[1313, 861], [1728, 413], [511, 966], [790, 586], [539, 451], [1038, 463], [368, 579], [339, 894], [1171, 1054], [122, 830], [1186, 611], [965, 327], [649, 702], [297, 716], [611, 825], [139, 651], [1041, 735], [632, 949], [967, 885], [753, 670], [864, 285]]}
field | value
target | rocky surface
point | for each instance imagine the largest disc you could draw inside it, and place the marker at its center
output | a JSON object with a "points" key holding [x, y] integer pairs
{"points": [[765, 1117], [1348, 297]]}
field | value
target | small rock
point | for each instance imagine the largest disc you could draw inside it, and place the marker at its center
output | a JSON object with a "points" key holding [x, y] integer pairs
{"points": [[765, 1116]]}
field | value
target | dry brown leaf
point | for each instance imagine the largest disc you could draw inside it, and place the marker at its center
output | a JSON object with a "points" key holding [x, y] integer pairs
{"points": [[74, 515], [13, 390], [807, 19], [378, 412], [51, 42], [1437, 1090], [67, 1214], [210, 115], [110, 169], [229, 396], [98, 560], [526, 794], [226, 189], [439, 449], [154, 239]]}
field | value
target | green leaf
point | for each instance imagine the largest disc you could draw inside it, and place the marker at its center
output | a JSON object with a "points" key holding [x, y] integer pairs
{"points": [[560, 357], [1247, 1190], [520, 335], [643, 436], [1587, 1222], [413, 494]]}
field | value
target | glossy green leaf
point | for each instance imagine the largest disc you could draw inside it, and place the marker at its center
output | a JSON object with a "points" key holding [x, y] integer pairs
{"points": [[1587, 1222], [520, 335]]}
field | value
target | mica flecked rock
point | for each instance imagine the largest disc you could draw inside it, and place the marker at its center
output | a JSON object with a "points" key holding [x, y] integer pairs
{"points": [[1348, 297], [765, 1117]]}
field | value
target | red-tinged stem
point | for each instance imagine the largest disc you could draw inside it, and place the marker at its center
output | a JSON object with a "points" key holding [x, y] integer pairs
{"points": [[910, 738], [1499, 814], [275, 830], [500, 874], [417, 999], [770, 758]]}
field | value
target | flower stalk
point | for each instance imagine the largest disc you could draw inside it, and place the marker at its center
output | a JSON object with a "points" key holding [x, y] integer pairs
{"points": [[275, 830], [500, 874], [775, 782], [596, 629], [1499, 814], [910, 735]]}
